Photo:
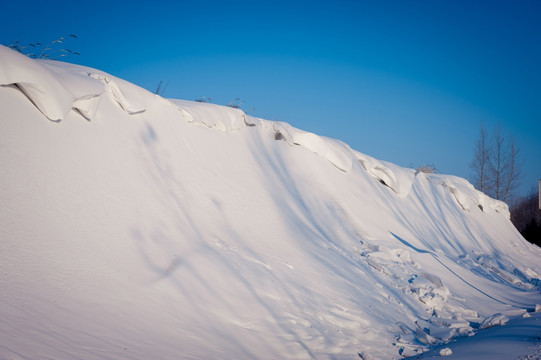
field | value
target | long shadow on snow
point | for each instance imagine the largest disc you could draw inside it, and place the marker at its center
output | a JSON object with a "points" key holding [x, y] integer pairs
{"points": [[299, 215], [162, 176], [448, 268]]}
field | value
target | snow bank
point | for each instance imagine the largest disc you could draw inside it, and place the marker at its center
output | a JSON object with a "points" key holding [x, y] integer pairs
{"points": [[55, 92], [192, 230], [56, 89]]}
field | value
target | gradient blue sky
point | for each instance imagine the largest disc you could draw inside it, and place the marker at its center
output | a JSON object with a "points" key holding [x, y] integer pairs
{"points": [[405, 81]]}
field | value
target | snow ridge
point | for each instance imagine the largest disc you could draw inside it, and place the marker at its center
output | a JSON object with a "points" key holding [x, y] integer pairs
{"points": [[55, 92], [186, 229]]}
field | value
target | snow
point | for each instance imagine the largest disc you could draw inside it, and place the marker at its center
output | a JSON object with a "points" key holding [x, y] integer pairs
{"points": [[446, 352], [141, 227], [518, 340], [39, 85]]}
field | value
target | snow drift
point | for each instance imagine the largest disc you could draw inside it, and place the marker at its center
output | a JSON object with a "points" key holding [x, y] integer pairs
{"points": [[139, 227]]}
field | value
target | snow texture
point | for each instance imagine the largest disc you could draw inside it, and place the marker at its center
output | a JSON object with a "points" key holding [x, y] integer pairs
{"points": [[141, 227]]}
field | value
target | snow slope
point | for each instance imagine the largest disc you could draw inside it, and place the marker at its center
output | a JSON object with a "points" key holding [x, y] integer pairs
{"points": [[136, 227]]}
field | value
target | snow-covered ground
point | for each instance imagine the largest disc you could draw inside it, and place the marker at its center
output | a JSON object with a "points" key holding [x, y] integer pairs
{"points": [[137, 227], [519, 339]]}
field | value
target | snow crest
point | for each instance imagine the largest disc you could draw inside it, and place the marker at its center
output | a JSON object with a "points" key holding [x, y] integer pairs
{"points": [[56, 89]]}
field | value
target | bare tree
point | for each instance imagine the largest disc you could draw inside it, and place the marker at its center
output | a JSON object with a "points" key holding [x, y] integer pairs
{"points": [[512, 174], [496, 165], [480, 162]]}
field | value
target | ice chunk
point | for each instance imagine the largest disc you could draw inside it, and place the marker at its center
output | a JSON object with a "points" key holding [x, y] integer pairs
{"points": [[434, 298], [446, 352], [493, 320], [435, 280]]}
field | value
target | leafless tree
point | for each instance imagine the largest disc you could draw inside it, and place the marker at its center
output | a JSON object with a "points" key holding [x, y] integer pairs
{"points": [[496, 165], [481, 161], [512, 174]]}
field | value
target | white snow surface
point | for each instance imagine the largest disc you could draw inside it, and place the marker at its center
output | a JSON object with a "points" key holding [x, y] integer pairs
{"points": [[136, 227]]}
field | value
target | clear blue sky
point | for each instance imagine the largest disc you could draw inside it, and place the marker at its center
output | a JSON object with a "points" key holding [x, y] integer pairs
{"points": [[405, 81]]}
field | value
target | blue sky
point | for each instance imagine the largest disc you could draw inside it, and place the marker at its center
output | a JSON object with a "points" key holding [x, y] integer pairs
{"points": [[407, 81]]}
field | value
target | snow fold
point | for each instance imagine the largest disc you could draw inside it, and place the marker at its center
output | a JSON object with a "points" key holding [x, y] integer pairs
{"points": [[55, 91], [36, 82]]}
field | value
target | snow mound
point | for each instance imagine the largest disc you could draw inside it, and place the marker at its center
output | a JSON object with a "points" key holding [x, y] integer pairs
{"points": [[139, 226]]}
